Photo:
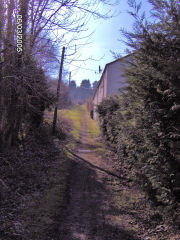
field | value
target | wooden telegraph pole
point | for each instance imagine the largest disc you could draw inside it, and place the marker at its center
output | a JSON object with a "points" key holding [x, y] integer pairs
{"points": [[58, 92], [69, 78]]}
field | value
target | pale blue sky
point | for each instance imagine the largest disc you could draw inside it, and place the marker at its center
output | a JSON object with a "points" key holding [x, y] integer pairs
{"points": [[105, 38]]}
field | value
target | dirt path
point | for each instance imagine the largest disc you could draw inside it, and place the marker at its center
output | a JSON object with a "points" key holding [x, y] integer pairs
{"points": [[91, 206]]}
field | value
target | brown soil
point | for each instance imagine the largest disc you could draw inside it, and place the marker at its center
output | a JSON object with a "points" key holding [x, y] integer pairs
{"points": [[89, 197], [104, 204]]}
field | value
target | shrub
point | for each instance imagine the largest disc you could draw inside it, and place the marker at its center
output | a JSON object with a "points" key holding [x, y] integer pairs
{"points": [[145, 124]]}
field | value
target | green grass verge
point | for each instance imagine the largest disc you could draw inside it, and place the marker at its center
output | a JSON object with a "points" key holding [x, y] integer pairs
{"points": [[75, 115], [93, 127]]}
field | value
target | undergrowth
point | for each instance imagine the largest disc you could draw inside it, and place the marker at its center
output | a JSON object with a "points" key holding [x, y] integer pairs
{"points": [[34, 180]]}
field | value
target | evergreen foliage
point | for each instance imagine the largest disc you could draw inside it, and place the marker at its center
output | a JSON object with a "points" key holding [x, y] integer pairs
{"points": [[143, 124]]}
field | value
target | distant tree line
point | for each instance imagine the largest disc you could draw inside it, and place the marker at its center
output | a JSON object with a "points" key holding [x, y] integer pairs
{"points": [[142, 125], [79, 94]]}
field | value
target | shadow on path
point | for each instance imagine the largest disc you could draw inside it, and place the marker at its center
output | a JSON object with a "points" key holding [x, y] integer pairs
{"points": [[90, 204], [88, 207]]}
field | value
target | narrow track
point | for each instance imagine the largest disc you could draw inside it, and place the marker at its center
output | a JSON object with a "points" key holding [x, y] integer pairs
{"points": [[90, 198]]}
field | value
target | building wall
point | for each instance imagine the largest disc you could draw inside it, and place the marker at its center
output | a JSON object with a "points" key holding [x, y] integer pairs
{"points": [[112, 80], [100, 94], [116, 78]]}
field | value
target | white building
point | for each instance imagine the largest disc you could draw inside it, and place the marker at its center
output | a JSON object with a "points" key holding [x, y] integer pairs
{"points": [[112, 80]]}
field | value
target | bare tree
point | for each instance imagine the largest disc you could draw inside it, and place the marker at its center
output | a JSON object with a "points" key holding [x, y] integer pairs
{"points": [[45, 25]]}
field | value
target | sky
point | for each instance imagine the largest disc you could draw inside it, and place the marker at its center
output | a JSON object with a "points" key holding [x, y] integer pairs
{"points": [[106, 38]]}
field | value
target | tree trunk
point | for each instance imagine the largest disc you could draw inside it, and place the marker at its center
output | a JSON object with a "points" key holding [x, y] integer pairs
{"points": [[58, 91]]}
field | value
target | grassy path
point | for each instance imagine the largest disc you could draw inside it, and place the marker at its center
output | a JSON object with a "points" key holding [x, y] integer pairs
{"points": [[53, 195], [92, 211], [101, 205]]}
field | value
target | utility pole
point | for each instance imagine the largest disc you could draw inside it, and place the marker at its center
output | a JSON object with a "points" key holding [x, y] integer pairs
{"points": [[58, 91], [69, 78]]}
